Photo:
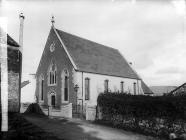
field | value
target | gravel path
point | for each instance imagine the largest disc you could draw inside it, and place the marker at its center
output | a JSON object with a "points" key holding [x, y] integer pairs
{"points": [[76, 129]]}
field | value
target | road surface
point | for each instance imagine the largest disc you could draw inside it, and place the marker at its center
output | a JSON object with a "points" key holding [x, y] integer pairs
{"points": [[76, 129]]}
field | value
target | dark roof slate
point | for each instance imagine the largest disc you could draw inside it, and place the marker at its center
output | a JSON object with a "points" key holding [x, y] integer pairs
{"points": [[178, 88], [10, 40], [161, 90], [145, 88], [96, 58]]}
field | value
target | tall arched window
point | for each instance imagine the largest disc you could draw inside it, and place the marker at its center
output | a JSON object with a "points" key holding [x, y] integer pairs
{"points": [[122, 86], [41, 83], [52, 74], [87, 88], [42, 89], [66, 89], [106, 85], [65, 85], [134, 88]]}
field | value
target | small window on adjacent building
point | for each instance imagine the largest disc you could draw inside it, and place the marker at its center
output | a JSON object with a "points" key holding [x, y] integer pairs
{"points": [[122, 86], [87, 88], [134, 88], [106, 85]]}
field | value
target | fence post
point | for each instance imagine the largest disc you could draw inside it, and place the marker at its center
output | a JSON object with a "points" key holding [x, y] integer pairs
{"points": [[48, 110]]}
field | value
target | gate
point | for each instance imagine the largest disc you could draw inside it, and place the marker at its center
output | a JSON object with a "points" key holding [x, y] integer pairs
{"points": [[78, 110]]}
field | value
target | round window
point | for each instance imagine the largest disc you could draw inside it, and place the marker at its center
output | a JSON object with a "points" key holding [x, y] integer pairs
{"points": [[52, 47]]}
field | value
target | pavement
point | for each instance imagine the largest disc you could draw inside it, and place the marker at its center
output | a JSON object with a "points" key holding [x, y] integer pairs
{"points": [[77, 129]]}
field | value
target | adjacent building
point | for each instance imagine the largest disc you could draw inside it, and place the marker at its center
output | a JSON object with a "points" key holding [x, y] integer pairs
{"points": [[162, 90], [180, 90], [14, 71]]}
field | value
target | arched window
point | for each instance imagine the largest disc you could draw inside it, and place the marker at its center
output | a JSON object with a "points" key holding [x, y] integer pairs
{"points": [[66, 89], [41, 83], [122, 86], [106, 85], [65, 85], [52, 74], [87, 88], [134, 88]]}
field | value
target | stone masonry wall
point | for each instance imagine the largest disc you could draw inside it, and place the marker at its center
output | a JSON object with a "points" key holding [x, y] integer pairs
{"points": [[13, 92]]}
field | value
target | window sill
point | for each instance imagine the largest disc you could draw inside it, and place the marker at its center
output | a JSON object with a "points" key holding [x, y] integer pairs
{"points": [[65, 101], [52, 85]]}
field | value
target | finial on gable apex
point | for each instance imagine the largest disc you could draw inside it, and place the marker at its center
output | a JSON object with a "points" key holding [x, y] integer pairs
{"points": [[21, 16], [52, 20]]}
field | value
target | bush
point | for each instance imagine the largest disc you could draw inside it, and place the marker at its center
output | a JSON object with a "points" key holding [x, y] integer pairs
{"points": [[173, 107], [34, 108], [153, 115]]}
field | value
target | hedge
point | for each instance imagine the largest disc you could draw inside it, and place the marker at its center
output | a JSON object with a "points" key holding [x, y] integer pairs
{"points": [[147, 114], [173, 107]]}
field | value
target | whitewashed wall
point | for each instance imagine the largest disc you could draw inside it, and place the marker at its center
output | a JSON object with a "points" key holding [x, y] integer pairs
{"points": [[28, 92], [97, 85]]}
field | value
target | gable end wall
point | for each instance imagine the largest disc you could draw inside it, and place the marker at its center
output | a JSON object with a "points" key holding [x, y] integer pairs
{"points": [[63, 62]]}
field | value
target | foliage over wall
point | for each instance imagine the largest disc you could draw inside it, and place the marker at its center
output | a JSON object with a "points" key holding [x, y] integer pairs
{"points": [[155, 115], [144, 106]]}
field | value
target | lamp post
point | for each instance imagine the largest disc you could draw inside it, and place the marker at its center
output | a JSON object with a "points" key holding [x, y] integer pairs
{"points": [[76, 87]]}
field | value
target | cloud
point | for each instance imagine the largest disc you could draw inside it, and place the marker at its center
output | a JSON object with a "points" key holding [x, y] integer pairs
{"points": [[148, 34], [170, 70]]}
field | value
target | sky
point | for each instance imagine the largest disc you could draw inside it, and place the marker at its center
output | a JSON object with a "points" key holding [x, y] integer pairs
{"points": [[150, 34]]}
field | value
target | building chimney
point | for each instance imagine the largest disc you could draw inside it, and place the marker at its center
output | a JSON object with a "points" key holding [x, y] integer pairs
{"points": [[21, 17]]}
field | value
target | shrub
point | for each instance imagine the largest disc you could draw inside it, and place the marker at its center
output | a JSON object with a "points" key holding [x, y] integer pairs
{"points": [[173, 107], [153, 115]]}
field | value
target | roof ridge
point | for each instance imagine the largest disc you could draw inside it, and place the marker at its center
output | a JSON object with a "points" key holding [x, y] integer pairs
{"points": [[58, 30]]}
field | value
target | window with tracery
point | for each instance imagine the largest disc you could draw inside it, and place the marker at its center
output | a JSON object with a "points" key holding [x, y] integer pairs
{"points": [[52, 75]]}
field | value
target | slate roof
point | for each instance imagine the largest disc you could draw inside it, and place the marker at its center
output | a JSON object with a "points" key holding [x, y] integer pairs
{"points": [[24, 83], [161, 90], [10, 41], [96, 58], [145, 88], [179, 88]]}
